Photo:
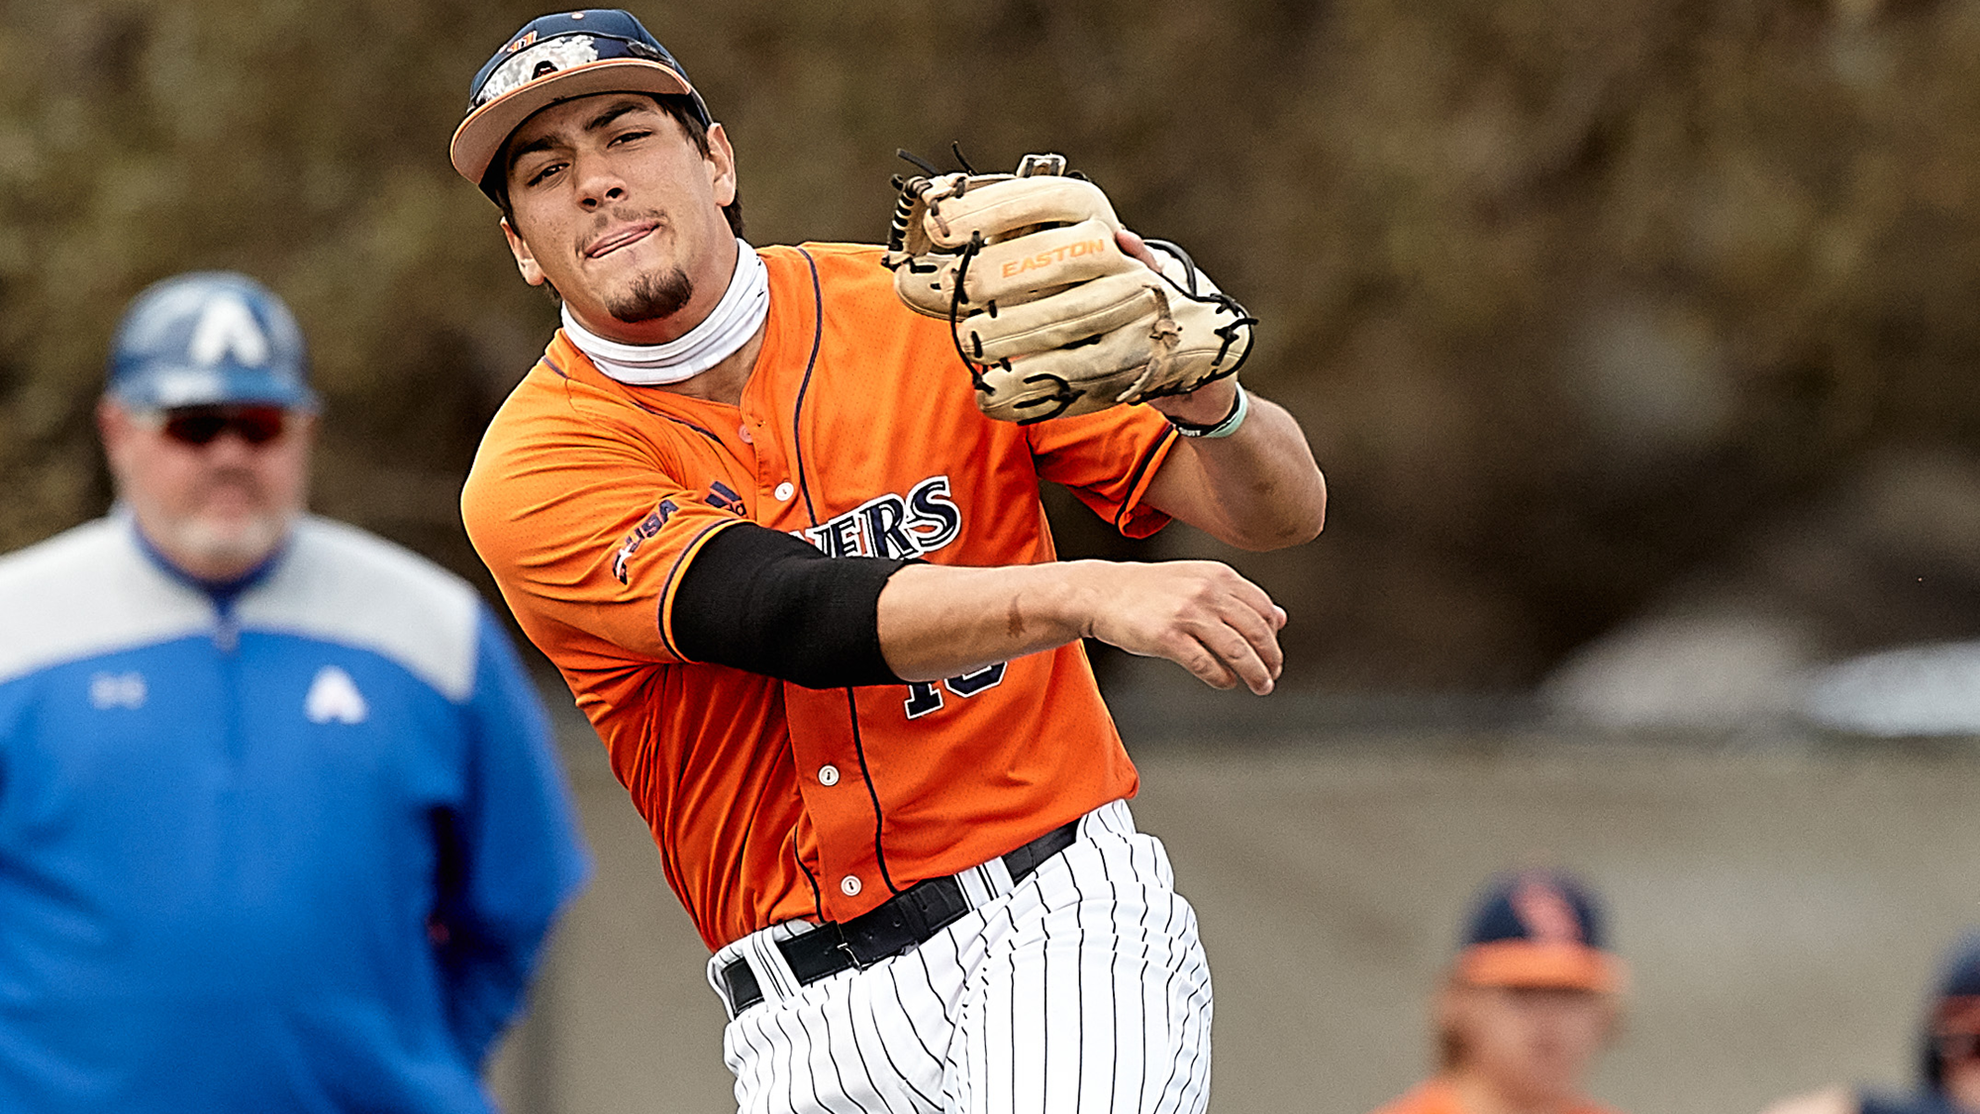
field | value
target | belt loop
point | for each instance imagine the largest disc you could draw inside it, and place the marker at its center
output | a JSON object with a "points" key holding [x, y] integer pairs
{"points": [[717, 966], [998, 875], [773, 972], [979, 886]]}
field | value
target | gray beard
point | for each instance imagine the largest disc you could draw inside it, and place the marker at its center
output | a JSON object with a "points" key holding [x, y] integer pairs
{"points": [[654, 297]]}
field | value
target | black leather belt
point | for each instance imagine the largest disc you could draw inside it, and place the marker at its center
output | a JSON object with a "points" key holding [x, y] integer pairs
{"points": [[901, 922]]}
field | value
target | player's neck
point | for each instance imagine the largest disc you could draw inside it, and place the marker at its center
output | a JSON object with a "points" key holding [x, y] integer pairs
{"points": [[725, 381], [709, 358]]}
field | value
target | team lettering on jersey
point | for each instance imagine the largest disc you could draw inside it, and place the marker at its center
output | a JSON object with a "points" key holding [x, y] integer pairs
{"points": [[912, 525], [918, 523], [926, 696]]}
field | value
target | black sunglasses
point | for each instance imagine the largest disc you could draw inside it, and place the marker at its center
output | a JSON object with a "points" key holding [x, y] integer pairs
{"points": [[257, 425]]}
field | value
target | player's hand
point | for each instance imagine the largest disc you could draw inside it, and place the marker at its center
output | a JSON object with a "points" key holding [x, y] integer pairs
{"points": [[1199, 614]]}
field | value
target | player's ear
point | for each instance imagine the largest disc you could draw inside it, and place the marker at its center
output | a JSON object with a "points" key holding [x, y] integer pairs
{"points": [[532, 272], [721, 165], [1448, 1024], [119, 433]]}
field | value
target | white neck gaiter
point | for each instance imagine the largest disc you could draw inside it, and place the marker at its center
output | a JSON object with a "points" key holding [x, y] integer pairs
{"points": [[742, 311]]}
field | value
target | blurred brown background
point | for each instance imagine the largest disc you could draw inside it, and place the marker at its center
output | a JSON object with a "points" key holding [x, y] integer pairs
{"points": [[1602, 315], [1567, 293]]}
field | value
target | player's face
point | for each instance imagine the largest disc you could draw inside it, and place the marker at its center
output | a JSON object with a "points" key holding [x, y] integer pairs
{"points": [[621, 214], [214, 488], [1533, 1046], [1960, 1059]]}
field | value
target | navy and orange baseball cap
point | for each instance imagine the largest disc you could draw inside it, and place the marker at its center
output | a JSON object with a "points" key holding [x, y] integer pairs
{"points": [[1538, 929], [559, 58], [1953, 1029]]}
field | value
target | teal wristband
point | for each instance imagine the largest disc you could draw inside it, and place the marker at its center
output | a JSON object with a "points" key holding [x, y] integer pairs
{"points": [[1225, 428]]}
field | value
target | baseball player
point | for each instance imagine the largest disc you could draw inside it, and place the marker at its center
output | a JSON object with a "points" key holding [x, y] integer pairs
{"points": [[804, 589], [1948, 1054], [280, 828], [1530, 1001]]}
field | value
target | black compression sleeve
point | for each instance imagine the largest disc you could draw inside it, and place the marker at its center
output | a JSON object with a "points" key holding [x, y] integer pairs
{"points": [[761, 600]]}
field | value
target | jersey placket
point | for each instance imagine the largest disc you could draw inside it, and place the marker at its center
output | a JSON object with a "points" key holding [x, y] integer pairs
{"points": [[776, 500], [824, 726]]}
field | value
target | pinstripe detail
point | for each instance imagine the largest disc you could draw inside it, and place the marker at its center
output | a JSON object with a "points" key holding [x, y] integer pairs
{"points": [[1082, 988], [898, 1020]]}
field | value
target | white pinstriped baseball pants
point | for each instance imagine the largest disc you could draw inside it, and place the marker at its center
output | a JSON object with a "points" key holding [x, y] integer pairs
{"points": [[1083, 988]]}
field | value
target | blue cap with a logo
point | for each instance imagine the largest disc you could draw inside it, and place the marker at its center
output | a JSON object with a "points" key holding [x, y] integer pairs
{"points": [[1538, 928], [209, 338], [559, 58], [1955, 1016]]}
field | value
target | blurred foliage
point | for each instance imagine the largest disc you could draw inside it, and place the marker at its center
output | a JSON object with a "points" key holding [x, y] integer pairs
{"points": [[1565, 292]]}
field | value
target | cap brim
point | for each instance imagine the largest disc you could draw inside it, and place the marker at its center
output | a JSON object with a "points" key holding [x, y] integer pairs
{"points": [[1515, 963], [176, 388], [482, 134]]}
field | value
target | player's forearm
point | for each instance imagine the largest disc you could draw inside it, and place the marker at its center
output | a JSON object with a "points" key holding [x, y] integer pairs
{"points": [[1258, 489], [940, 621]]}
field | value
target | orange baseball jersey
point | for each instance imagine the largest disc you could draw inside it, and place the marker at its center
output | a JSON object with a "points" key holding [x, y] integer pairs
{"points": [[1437, 1096], [857, 431]]}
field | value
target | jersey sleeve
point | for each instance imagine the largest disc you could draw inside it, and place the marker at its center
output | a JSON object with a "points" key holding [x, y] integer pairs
{"points": [[1107, 460], [587, 533], [511, 854]]}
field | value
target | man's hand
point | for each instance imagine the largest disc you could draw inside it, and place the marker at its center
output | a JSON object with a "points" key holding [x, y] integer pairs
{"points": [[1199, 614]]}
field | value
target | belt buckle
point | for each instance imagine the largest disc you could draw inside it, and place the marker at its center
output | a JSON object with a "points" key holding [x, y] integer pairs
{"points": [[879, 933], [908, 918]]}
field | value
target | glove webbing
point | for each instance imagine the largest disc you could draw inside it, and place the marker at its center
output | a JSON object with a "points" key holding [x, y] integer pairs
{"points": [[1228, 333]]}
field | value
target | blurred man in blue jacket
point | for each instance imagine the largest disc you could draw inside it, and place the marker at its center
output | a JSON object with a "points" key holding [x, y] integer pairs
{"points": [[280, 823]]}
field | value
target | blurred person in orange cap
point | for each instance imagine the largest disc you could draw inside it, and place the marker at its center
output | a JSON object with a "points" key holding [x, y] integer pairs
{"points": [[1531, 1001], [1948, 1054]]}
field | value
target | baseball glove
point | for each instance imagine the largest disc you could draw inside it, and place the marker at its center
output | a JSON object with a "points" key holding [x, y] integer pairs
{"points": [[1049, 314]]}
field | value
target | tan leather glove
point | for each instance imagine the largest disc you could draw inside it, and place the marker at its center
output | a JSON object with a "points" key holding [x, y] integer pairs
{"points": [[1050, 315]]}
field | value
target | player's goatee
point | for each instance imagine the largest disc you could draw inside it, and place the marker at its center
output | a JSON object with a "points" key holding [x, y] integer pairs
{"points": [[653, 297]]}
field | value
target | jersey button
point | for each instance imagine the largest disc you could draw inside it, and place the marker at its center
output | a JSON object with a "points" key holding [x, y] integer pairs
{"points": [[828, 776], [743, 432], [850, 885], [785, 491]]}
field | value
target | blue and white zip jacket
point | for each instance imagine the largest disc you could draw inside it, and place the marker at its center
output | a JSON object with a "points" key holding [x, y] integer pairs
{"points": [[288, 845]]}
